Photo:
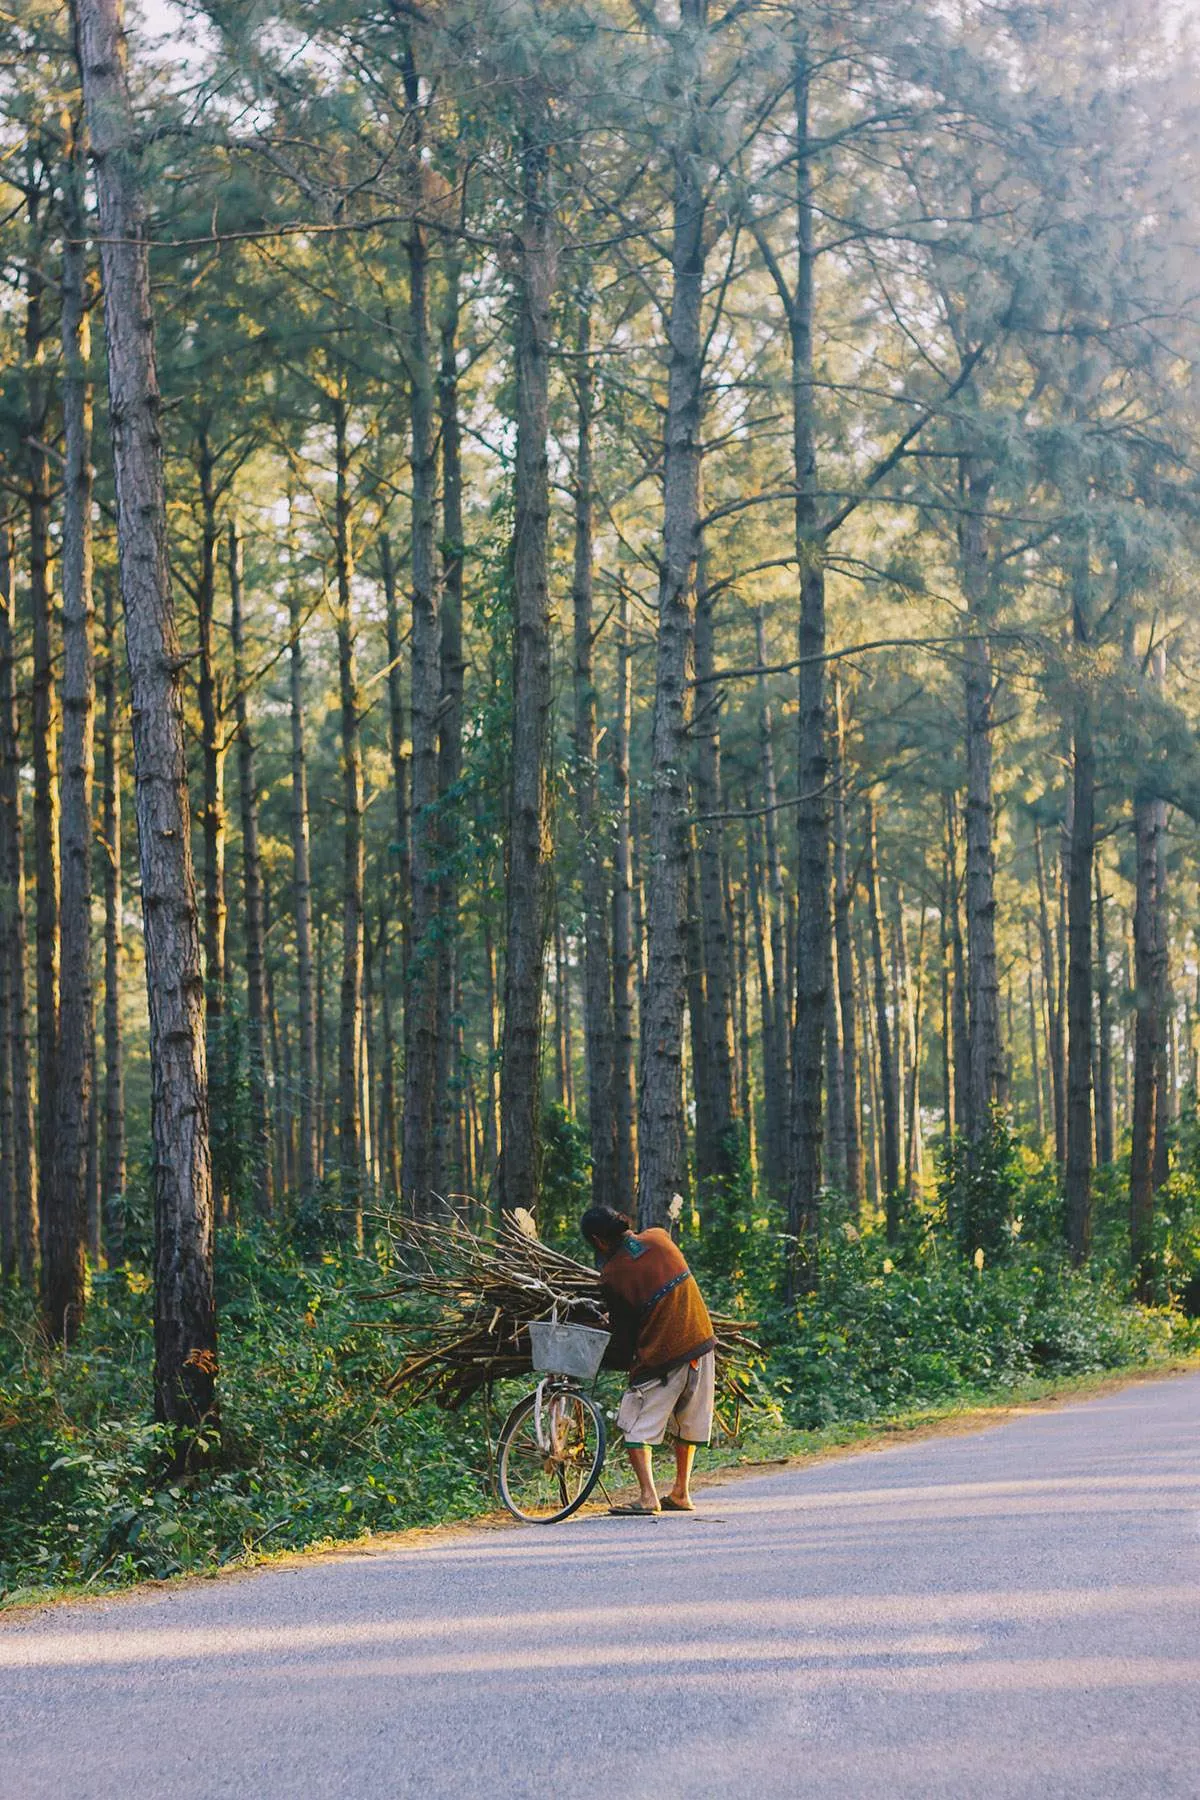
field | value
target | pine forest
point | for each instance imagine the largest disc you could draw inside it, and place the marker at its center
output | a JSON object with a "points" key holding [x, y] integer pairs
{"points": [[597, 601]]}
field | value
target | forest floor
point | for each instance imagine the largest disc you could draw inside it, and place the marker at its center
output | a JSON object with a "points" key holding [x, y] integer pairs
{"points": [[1009, 1611]]}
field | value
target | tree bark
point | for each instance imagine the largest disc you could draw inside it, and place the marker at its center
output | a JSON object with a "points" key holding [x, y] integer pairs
{"points": [[661, 1137], [402, 848], [449, 1172], [1078, 1177], [45, 757], [309, 1139], [419, 1168], [883, 1036], [351, 1169], [66, 1223], [843, 900], [598, 1022], [773, 977], [1148, 1035], [20, 1137], [624, 1092], [252, 891], [185, 1318], [985, 1076], [529, 854], [1105, 1126], [113, 1179], [717, 1146], [812, 813]]}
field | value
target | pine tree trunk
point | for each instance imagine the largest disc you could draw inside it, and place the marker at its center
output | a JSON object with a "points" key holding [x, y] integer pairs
{"points": [[350, 1123], [1163, 1085], [745, 1054], [773, 979], [888, 1095], [45, 752], [419, 1168], [1148, 1035], [962, 1056], [1039, 1117], [985, 1078], [402, 849], [449, 1173], [720, 1138], [310, 1136], [1105, 1128], [1054, 1010], [624, 1091], [491, 1124], [812, 813], [66, 1223], [598, 1022], [212, 748], [20, 1138], [529, 854], [252, 891], [185, 1319], [844, 956], [1078, 1179], [113, 1178], [662, 1167]]}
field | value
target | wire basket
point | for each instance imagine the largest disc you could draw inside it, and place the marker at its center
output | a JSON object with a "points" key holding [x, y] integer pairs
{"points": [[567, 1349]]}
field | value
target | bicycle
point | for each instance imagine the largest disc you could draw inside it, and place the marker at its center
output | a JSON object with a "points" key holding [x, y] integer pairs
{"points": [[551, 1448]]}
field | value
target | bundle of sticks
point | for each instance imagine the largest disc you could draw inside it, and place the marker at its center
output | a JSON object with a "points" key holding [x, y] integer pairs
{"points": [[485, 1290]]}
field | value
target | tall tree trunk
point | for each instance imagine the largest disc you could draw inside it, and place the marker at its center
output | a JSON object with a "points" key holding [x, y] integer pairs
{"points": [[1148, 1035], [1054, 1009], [624, 1090], [598, 1021], [450, 1174], [962, 1054], [252, 890], [491, 1124], [419, 1168], [113, 1180], [402, 849], [843, 898], [776, 1099], [1039, 1116], [350, 1125], [888, 1095], [45, 756], [812, 812], [1163, 1084], [720, 1098], [985, 1079], [1105, 1131], [66, 1223], [19, 1134], [1078, 1179], [185, 1317], [745, 1055], [309, 1142], [529, 860], [661, 1145]]}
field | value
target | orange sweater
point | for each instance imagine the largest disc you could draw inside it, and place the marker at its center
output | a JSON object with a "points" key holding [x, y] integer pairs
{"points": [[655, 1307]]}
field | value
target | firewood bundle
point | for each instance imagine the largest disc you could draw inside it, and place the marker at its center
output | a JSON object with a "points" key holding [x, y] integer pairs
{"points": [[484, 1291]]}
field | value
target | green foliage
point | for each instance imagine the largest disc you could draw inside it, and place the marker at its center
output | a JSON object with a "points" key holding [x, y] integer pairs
{"points": [[310, 1450], [566, 1178], [980, 1186]]}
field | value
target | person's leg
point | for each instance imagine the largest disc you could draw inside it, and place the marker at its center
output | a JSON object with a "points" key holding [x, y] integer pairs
{"points": [[641, 1457], [685, 1456]]}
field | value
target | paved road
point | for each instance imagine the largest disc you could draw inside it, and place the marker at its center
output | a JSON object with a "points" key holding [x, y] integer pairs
{"points": [[1009, 1613]]}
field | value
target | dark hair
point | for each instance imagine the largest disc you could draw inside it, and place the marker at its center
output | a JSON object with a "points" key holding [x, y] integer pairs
{"points": [[604, 1225]]}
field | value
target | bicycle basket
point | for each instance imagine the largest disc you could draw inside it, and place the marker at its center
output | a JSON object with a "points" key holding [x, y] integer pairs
{"points": [[567, 1349]]}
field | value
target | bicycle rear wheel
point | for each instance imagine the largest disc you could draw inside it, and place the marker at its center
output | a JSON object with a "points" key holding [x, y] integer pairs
{"points": [[542, 1482]]}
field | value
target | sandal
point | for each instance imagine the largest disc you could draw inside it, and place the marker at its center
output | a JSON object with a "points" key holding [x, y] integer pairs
{"points": [[635, 1511], [670, 1504]]}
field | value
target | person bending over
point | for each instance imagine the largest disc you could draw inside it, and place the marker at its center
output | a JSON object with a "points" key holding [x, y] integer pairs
{"points": [[662, 1333]]}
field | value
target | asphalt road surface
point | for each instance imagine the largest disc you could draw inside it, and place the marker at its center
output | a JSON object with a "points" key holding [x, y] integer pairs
{"points": [[1014, 1612]]}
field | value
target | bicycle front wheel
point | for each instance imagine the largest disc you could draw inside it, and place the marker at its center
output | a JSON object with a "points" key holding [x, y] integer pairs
{"points": [[547, 1474]]}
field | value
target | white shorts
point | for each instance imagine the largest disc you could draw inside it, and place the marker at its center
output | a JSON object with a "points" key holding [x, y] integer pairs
{"points": [[681, 1406]]}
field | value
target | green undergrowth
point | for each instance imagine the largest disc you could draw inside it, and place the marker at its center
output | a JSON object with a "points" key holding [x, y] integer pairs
{"points": [[311, 1453]]}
